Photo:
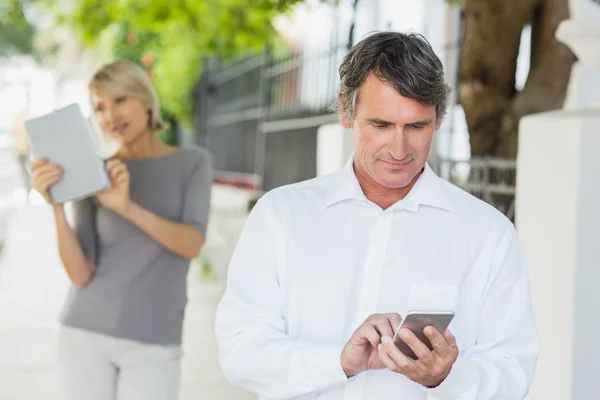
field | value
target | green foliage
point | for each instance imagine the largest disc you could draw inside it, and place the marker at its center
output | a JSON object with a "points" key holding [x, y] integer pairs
{"points": [[168, 136], [16, 33], [205, 267], [176, 35]]}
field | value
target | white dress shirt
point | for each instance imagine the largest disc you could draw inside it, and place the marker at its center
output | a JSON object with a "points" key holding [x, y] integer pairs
{"points": [[316, 258]]}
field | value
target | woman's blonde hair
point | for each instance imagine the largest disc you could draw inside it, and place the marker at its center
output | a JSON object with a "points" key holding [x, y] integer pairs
{"points": [[124, 78]]}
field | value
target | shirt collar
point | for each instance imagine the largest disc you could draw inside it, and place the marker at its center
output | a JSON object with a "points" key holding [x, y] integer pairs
{"points": [[344, 186], [428, 190]]}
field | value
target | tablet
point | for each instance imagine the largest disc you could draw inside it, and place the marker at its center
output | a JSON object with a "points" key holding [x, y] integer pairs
{"points": [[64, 137]]}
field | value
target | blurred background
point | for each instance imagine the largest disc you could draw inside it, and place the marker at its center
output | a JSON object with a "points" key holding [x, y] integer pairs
{"points": [[252, 81]]}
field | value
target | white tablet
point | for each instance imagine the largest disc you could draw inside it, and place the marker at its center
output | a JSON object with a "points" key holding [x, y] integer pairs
{"points": [[64, 137]]}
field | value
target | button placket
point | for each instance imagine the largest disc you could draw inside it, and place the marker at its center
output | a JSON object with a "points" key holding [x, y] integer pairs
{"points": [[369, 294]]}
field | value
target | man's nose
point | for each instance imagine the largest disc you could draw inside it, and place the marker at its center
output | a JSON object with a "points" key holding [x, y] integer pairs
{"points": [[398, 146]]}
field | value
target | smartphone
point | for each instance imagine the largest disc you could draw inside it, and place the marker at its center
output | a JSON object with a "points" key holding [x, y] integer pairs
{"points": [[416, 321]]}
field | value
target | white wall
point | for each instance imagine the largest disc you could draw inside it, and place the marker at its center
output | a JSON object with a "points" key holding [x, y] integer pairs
{"points": [[584, 88], [558, 221]]}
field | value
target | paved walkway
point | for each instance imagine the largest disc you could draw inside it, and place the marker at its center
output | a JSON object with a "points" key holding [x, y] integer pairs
{"points": [[32, 290], [11, 190]]}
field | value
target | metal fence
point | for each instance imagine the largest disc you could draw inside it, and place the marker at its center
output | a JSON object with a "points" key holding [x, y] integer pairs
{"points": [[259, 116], [490, 179]]}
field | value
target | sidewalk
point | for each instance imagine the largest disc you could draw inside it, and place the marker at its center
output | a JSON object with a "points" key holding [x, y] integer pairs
{"points": [[11, 191], [32, 290]]}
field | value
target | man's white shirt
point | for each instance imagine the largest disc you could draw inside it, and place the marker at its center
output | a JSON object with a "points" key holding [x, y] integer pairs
{"points": [[316, 258]]}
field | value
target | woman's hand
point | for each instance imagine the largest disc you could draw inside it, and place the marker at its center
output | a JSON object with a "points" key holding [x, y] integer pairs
{"points": [[116, 198], [43, 175]]}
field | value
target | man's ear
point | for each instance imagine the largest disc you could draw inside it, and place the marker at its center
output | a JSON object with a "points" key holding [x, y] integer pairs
{"points": [[345, 123]]}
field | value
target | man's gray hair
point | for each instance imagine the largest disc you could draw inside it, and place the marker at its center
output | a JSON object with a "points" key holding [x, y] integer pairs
{"points": [[406, 61]]}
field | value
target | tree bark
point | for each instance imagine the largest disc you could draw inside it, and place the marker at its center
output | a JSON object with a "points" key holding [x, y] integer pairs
{"points": [[492, 36]]}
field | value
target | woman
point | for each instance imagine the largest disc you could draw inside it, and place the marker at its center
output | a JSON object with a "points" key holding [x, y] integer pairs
{"points": [[129, 249]]}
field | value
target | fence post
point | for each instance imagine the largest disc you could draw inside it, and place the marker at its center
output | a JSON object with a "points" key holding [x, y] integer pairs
{"points": [[202, 99], [260, 154]]}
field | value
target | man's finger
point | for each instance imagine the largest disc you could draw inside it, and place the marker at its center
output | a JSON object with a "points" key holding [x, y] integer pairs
{"points": [[405, 364], [450, 339], [372, 318], [395, 320], [437, 341], [384, 327], [387, 360], [370, 333], [419, 348]]}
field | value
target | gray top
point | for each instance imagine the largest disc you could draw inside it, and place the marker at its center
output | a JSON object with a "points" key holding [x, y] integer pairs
{"points": [[139, 289]]}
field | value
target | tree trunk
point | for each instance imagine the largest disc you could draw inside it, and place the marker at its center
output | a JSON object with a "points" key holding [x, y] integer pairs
{"points": [[487, 90]]}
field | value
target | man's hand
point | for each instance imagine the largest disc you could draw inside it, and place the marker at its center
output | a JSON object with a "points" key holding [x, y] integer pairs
{"points": [[432, 367], [360, 353]]}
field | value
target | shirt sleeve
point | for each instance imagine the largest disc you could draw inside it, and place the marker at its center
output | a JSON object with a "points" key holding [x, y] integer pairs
{"points": [[255, 350], [196, 205], [501, 364], [84, 227]]}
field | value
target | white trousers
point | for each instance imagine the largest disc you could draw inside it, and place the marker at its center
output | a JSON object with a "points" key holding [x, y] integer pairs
{"points": [[100, 367]]}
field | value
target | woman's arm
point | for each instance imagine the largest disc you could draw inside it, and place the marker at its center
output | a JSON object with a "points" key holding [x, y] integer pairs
{"points": [[180, 238], [78, 267], [185, 237]]}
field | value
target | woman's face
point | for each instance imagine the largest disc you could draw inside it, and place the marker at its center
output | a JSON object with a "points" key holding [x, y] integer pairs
{"points": [[121, 117]]}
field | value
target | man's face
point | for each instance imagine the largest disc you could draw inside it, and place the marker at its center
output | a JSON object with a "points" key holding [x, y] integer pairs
{"points": [[392, 134]]}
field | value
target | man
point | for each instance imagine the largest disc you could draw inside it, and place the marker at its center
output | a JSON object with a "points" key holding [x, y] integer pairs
{"points": [[325, 270]]}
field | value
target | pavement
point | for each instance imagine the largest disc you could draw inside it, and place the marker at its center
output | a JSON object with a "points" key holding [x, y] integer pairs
{"points": [[11, 185], [32, 290]]}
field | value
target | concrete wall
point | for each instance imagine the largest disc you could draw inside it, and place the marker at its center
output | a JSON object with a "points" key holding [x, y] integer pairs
{"points": [[558, 221]]}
